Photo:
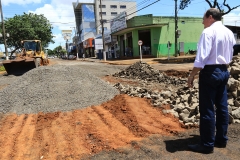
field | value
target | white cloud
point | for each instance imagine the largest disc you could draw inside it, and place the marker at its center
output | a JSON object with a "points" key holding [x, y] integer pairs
{"points": [[59, 12], [58, 17], [90, 8], [232, 18], [20, 2], [58, 39], [61, 15]]}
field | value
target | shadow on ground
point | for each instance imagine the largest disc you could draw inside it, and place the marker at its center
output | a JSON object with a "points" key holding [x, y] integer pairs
{"points": [[181, 144]]}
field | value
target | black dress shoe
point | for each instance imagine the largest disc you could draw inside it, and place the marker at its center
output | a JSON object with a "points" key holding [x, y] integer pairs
{"points": [[220, 145], [200, 148]]}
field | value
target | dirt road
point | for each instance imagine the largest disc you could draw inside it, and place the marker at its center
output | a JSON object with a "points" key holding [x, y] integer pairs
{"points": [[122, 128]]}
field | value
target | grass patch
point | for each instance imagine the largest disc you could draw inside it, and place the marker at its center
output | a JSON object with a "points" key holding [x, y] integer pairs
{"points": [[2, 68]]}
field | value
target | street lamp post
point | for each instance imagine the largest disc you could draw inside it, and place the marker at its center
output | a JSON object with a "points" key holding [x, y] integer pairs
{"points": [[3, 28]]}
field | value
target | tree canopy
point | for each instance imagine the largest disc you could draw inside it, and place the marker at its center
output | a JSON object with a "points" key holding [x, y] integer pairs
{"points": [[212, 4], [57, 51], [27, 27]]}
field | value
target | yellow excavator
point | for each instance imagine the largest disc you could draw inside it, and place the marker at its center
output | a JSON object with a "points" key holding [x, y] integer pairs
{"points": [[31, 56]]}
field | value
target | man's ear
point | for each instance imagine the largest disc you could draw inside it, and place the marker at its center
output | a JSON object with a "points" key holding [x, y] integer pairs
{"points": [[210, 16]]}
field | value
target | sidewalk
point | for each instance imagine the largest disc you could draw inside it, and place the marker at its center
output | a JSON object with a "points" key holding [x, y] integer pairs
{"points": [[179, 59]]}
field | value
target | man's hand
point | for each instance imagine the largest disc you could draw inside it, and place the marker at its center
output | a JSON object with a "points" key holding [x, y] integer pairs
{"points": [[190, 81], [191, 76]]}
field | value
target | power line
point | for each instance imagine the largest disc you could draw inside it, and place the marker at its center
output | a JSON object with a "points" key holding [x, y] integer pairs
{"points": [[126, 15], [134, 11]]}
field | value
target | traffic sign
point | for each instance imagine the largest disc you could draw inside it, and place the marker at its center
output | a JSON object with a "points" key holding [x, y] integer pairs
{"points": [[140, 42]]}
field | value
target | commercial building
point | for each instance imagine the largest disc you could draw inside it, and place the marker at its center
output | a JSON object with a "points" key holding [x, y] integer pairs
{"points": [[156, 32], [88, 15]]}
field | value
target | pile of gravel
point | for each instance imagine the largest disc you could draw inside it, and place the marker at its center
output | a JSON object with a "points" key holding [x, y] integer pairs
{"points": [[54, 88], [143, 71]]}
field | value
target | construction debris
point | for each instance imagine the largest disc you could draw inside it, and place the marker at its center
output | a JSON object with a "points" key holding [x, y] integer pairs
{"points": [[183, 101]]}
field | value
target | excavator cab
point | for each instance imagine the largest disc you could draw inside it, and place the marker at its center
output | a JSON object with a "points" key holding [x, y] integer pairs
{"points": [[30, 46], [32, 56]]}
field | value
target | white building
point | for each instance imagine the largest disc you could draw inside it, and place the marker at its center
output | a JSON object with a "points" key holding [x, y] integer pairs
{"points": [[110, 9]]}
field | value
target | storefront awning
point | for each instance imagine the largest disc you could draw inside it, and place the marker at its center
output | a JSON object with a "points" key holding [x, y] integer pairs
{"points": [[138, 27]]}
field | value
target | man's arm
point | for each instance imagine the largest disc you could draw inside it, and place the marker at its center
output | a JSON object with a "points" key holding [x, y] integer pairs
{"points": [[191, 76]]}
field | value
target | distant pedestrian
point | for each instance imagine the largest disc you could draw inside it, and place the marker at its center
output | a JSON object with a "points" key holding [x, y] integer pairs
{"points": [[83, 56], [214, 53]]}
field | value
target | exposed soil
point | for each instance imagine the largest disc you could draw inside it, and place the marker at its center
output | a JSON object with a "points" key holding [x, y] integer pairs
{"points": [[175, 73], [79, 133], [122, 128]]}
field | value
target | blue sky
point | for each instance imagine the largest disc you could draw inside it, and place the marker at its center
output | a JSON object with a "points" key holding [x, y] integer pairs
{"points": [[61, 16]]}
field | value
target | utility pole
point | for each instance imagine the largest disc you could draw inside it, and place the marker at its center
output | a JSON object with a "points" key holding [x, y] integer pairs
{"points": [[101, 21], [75, 40], [176, 27], [3, 28]]}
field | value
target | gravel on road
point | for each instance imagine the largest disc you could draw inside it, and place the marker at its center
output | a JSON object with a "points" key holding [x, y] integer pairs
{"points": [[54, 88]]}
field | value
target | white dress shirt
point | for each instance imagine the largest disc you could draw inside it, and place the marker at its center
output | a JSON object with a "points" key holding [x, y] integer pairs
{"points": [[215, 46]]}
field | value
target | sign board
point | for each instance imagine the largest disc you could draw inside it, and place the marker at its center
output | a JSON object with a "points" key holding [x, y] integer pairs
{"points": [[67, 34], [107, 38], [114, 38], [119, 22], [140, 42], [98, 44]]}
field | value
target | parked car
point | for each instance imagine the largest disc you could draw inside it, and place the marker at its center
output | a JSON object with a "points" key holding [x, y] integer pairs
{"points": [[64, 57], [236, 49], [72, 57]]}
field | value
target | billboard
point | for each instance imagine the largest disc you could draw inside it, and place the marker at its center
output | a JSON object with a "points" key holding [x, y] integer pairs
{"points": [[67, 34], [98, 44], [108, 38], [119, 22]]}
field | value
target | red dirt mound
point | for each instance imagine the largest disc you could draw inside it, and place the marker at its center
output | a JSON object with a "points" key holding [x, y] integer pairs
{"points": [[72, 135]]}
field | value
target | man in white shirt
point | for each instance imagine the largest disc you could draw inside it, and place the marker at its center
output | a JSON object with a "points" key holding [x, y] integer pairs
{"points": [[214, 53]]}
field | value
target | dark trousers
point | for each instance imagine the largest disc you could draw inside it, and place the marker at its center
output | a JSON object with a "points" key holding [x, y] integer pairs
{"points": [[213, 99]]}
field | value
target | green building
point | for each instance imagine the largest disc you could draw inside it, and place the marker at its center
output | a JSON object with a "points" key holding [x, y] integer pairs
{"points": [[155, 32]]}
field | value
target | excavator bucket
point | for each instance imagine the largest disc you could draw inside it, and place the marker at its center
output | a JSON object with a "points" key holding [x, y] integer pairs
{"points": [[19, 66]]}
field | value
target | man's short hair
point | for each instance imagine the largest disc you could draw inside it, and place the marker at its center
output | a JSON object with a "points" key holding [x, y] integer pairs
{"points": [[216, 14]]}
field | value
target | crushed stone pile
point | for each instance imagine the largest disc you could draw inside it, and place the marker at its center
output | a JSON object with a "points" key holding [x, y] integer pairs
{"points": [[143, 71], [183, 101], [54, 88]]}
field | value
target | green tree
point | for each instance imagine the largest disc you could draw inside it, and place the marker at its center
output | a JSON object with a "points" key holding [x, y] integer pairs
{"points": [[50, 52], [57, 50], [212, 4], [27, 27]]}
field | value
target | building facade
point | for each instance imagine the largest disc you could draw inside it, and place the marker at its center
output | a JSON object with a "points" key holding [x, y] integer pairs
{"points": [[156, 32], [88, 14], [110, 9]]}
